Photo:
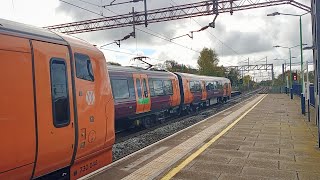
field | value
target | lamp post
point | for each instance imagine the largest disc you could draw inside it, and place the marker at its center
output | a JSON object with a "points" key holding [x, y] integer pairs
{"points": [[290, 58], [301, 51]]}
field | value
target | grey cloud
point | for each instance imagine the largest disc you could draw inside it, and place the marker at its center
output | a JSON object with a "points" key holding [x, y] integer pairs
{"points": [[248, 42], [280, 30]]}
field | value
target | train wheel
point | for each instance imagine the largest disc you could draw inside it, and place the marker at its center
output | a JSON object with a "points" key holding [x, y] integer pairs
{"points": [[147, 122]]}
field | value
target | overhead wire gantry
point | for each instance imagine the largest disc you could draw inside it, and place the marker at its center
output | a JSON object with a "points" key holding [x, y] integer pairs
{"points": [[204, 8]]}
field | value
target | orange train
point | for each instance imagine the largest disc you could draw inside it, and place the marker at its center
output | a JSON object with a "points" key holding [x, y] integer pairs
{"points": [[56, 105], [58, 112]]}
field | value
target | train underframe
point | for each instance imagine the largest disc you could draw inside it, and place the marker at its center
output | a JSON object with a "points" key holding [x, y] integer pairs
{"points": [[150, 119]]}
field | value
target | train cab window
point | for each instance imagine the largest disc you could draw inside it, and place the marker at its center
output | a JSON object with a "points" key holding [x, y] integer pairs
{"points": [[168, 87], [158, 88], [59, 92], [83, 67], [120, 88], [138, 88]]}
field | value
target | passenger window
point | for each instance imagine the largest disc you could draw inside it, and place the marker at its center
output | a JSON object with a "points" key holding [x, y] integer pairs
{"points": [[158, 88], [132, 89], [83, 67], [209, 86], [152, 94], [138, 88], [168, 87], [198, 86], [191, 85], [120, 88], [145, 88], [59, 92]]}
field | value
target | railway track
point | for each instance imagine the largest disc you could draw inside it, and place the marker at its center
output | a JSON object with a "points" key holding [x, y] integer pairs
{"points": [[128, 142]]}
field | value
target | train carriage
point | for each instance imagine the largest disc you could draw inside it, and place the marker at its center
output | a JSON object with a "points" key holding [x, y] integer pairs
{"points": [[143, 96], [199, 91], [56, 105]]}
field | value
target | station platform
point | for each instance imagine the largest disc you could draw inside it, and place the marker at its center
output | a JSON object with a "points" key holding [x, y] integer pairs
{"points": [[265, 137]]}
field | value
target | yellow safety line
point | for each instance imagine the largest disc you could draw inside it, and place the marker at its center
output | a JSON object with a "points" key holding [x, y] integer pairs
{"points": [[175, 170]]}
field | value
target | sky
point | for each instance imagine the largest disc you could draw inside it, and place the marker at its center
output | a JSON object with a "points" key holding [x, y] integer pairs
{"points": [[245, 34]]}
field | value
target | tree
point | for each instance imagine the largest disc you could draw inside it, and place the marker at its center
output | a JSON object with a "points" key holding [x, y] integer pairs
{"points": [[113, 63], [233, 75], [311, 77], [173, 66], [208, 63], [246, 80]]}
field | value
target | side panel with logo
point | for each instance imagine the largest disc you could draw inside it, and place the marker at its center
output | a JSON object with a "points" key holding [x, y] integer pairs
{"points": [[93, 96]]}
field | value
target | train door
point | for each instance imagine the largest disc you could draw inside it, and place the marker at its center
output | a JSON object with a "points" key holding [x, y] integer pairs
{"points": [[204, 90], [55, 119], [225, 89], [142, 93], [138, 92], [146, 93], [17, 117]]}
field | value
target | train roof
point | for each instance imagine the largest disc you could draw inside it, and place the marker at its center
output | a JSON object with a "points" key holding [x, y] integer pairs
{"points": [[28, 31], [206, 78], [36, 33], [128, 69]]}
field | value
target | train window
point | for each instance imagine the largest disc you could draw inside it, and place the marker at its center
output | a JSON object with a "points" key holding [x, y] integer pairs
{"points": [[198, 86], [168, 87], [145, 88], [209, 86], [158, 88], [215, 85], [120, 88], [195, 86], [151, 87], [191, 85], [132, 90], [83, 67], [219, 85], [138, 88], [59, 92]]}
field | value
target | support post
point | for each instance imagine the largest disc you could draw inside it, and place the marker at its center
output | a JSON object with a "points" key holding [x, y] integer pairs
{"points": [[145, 14], [303, 101], [290, 78], [134, 23], [315, 12], [283, 73]]}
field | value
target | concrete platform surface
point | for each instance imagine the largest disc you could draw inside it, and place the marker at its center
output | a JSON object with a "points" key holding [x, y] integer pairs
{"points": [[273, 141], [264, 138]]}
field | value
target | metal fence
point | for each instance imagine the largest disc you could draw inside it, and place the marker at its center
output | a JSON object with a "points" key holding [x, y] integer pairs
{"points": [[312, 97], [296, 89]]}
